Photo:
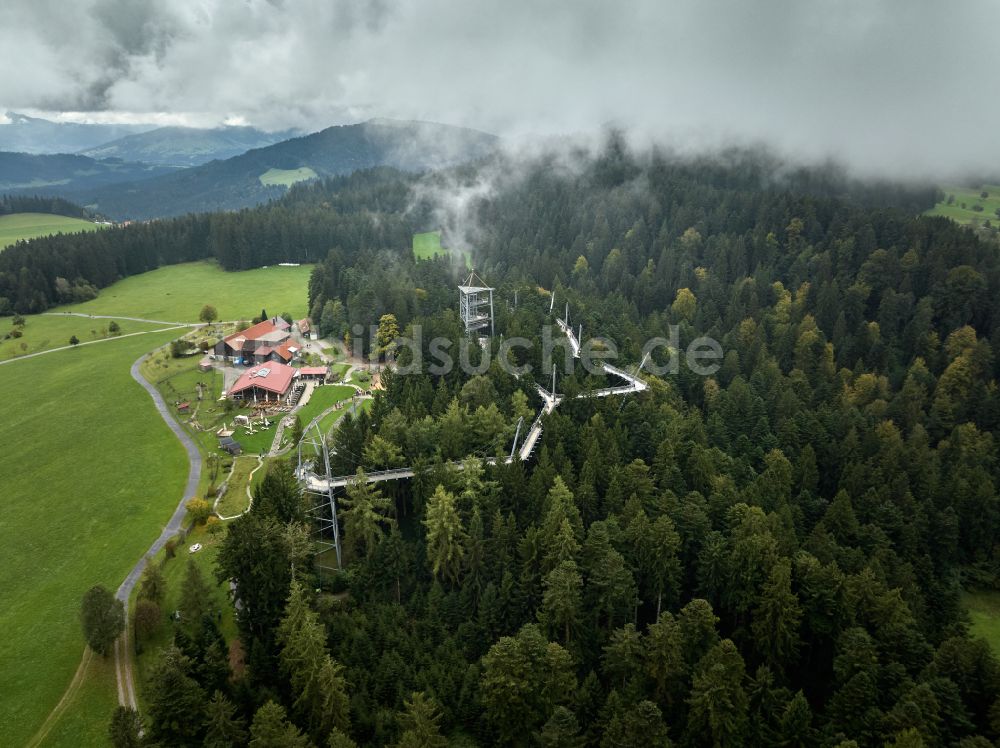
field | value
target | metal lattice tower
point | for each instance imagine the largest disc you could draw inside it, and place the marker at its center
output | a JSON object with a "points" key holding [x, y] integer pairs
{"points": [[324, 504], [475, 300]]}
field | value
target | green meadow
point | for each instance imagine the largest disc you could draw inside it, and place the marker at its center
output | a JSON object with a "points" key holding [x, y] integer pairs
{"points": [[322, 398], [41, 332], [80, 723], [984, 610], [92, 473], [178, 293], [235, 500], [18, 226], [428, 245], [963, 204], [286, 177]]}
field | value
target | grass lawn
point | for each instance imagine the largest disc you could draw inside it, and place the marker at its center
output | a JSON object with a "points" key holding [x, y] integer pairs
{"points": [[338, 370], [17, 226], [330, 420], [263, 437], [969, 198], [984, 609], [92, 473], [178, 292], [235, 500], [177, 379], [85, 719], [428, 245], [287, 177], [43, 331], [322, 398]]}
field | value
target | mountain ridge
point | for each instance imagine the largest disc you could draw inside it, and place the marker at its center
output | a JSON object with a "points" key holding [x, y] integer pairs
{"points": [[187, 146], [25, 134], [234, 183]]}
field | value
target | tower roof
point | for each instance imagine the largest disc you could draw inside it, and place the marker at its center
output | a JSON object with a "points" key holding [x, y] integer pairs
{"points": [[474, 283]]}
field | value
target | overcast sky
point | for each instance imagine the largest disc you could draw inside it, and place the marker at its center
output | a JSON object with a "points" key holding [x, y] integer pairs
{"points": [[904, 85]]}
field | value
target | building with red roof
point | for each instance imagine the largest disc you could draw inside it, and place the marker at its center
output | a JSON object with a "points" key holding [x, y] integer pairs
{"points": [[270, 381], [269, 340], [317, 373]]}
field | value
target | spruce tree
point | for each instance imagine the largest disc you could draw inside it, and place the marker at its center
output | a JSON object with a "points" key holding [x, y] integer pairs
{"points": [[224, 727], [446, 538]]}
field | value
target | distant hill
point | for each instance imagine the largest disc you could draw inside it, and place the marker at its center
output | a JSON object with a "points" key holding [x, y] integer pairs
{"points": [[236, 182], [186, 146], [65, 173], [24, 134]]}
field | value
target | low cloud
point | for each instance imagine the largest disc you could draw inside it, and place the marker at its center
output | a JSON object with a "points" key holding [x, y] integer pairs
{"points": [[885, 86]]}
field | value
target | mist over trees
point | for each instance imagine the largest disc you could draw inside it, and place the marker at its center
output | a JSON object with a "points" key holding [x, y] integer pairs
{"points": [[771, 555]]}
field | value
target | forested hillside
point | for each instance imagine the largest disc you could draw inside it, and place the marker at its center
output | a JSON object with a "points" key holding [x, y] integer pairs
{"points": [[236, 182], [353, 213], [64, 174], [771, 555], [54, 205]]}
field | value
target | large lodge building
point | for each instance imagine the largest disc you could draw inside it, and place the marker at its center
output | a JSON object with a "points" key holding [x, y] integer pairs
{"points": [[270, 340], [267, 382]]}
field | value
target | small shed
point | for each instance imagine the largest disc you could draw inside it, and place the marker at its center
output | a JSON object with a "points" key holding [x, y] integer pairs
{"points": [[183, 407], [314, 373], [230, 445], [205, 364]]}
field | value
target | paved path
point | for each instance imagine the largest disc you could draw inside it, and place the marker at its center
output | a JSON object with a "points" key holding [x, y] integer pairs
{"points": [[118, 316], [92, 342], [123, 647]]}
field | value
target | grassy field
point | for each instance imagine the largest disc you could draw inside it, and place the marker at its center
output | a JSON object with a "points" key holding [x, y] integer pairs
{"points": [[80, 724], [322, 398], [287, 177], [41, 332], [961, 208], [984, 609], [428, 245], [18, 226], [91, 474], [235, 499], [337, 371], [178, 292]]}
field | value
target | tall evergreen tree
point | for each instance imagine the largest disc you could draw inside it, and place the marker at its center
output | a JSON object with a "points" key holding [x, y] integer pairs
{"points": [[224, 727], [446, 537], [318, 686], [365, 511]]}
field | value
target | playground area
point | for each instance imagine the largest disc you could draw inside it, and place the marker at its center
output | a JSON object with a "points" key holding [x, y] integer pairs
{"points": [[233, 434]]}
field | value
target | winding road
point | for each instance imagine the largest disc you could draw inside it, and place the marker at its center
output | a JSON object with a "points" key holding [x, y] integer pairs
{"points": [[123, 647]]}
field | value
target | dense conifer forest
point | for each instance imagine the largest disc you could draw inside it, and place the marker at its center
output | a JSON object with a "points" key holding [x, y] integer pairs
{"points": [[771, 555]]}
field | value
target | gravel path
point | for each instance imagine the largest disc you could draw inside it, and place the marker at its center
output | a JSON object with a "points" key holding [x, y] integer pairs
{"points": [[123, 647]]}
